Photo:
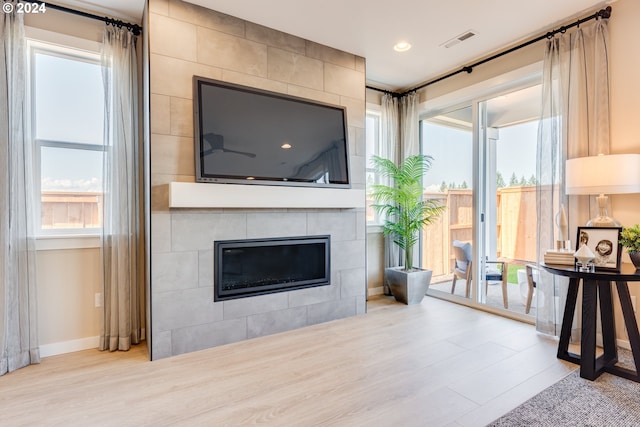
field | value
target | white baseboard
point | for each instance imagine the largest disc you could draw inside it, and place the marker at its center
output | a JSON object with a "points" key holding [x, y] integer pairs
{"points": [[63, 347], [621, 343]]}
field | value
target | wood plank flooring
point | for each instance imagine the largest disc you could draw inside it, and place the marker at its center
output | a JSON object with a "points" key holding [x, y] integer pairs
{"points": [[433, 364]]}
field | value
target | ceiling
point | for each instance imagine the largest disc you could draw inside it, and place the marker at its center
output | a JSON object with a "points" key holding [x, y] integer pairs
{"points": [[129, 10], [370, 28]]}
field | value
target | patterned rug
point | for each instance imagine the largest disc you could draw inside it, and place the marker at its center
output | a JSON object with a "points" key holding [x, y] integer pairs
{"points": [[574, 401]]}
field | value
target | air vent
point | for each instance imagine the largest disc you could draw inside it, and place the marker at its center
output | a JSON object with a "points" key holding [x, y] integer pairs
{"points": [[459, 38]]}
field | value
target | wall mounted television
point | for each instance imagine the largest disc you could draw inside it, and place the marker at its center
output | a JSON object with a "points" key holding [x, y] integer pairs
{"points": [[252, 136]]}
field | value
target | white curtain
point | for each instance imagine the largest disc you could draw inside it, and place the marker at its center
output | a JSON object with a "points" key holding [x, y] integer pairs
{"points": [[390, 149], [409, 137], [18, 324], [574, 123], [409, 129], [123, 300], [400, 139]]}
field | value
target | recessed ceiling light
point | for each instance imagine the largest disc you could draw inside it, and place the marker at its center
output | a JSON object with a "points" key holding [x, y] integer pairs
{"points": [[402, 46], [285, 146], [250, 178]]}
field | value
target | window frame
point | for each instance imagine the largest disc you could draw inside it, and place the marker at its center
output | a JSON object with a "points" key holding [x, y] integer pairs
{"points": [[375, 113], [40, 42]]}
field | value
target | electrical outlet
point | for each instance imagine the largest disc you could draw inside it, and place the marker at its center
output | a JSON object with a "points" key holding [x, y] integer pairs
{"points": [[98, 299], [633, 302]]}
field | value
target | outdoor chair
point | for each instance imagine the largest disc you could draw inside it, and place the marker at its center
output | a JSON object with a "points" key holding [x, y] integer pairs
{"points": [[495, 270], [532, 285]]}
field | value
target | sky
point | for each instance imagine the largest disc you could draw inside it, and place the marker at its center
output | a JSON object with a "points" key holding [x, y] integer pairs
{"points": [[69, 102], [452, 154]]}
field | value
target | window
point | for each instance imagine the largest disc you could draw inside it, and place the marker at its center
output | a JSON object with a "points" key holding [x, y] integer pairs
{"points": [[373, 148], [67, 118]]}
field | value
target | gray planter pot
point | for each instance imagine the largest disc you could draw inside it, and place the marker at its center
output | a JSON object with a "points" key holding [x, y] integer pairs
{"points": [[408, 287], [635, 259]]}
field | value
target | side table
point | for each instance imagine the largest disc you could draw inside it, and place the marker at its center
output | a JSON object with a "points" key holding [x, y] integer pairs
{"points": [[593, 285]]}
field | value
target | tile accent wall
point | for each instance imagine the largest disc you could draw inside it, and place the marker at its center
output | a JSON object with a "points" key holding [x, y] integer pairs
{"points": [[187, 40]]}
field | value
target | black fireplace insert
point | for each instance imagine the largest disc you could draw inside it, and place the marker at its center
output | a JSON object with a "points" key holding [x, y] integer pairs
{"points": [[244, 268]]}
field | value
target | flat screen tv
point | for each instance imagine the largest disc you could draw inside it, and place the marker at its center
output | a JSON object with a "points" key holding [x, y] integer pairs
{"points": [[251, 136]]}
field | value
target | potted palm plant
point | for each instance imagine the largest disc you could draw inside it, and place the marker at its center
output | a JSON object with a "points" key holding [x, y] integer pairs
{"points": [[406, 212]]}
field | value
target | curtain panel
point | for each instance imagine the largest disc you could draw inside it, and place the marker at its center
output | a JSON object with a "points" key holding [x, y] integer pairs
{"points": [[18, 311], [409, 129], [123, 322], [574, 123], [400, 139], [390, 149]]}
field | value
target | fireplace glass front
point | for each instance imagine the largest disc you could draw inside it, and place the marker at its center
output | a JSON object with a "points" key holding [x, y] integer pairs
{"points": [[245, 268]]}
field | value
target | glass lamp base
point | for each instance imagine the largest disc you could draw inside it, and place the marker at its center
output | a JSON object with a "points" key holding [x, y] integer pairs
{"points": [[603, 221]]}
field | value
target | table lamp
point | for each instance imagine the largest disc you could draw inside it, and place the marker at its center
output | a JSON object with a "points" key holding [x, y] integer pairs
{"points": [[603, 174]]}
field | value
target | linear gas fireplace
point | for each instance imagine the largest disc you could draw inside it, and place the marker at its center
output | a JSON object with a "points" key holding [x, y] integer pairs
{"points": [[245, 268]]}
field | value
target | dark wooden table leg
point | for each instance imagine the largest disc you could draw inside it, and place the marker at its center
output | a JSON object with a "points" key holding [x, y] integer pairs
{"points": [[588, 338], [567, 321], [632, 331], [610, 355]]}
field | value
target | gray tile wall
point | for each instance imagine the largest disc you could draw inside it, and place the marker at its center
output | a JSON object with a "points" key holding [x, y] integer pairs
{"points": [[187, 40]]}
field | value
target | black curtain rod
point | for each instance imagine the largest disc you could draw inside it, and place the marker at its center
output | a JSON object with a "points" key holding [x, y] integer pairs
{"points": [[388, 92], [135, 28], [603, 13]]}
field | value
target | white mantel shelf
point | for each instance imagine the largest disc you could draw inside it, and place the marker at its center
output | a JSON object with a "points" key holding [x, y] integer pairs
{"points": [[205, 195]]}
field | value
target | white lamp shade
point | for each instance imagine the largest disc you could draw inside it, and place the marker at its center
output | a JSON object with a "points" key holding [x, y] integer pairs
{"points": [[603, 174]]}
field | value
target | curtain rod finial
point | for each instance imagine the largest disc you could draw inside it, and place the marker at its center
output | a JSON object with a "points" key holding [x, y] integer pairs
{"points": [[605, 13]]}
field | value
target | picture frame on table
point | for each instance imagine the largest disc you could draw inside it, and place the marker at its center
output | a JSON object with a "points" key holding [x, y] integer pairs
{"points": [[604, 242]]}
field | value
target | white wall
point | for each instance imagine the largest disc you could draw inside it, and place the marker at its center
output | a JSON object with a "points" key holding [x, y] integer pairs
{"points": [[625, 97], [625, 108], [68, 280]]}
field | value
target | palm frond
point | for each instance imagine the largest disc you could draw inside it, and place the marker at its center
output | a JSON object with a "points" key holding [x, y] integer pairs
{"points": [[401, 200]]}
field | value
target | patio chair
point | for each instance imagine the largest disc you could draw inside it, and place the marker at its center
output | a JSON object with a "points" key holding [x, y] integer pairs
{"points": [[532, 285], [495, 270]]}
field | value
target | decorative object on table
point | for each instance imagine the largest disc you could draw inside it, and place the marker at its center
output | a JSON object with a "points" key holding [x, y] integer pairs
{"points": [[406, 213], [563, 242], [603, 174], [604, 245], [584, 257], [559, 257], [630, 239]]}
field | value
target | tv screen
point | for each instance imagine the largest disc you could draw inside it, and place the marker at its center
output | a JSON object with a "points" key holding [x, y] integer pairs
{"points": [[252, 136]]}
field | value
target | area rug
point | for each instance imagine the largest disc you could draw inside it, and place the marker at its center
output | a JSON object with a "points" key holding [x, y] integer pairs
{"points": [[574, 401]]}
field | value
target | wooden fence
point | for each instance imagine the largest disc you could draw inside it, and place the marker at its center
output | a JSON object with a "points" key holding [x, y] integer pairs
{"points": [[515, 226], [71, 210]]}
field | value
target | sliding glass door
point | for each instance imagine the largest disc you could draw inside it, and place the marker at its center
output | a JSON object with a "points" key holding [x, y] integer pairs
{"points": [[508, 126], [484, 173], [448, 138]]}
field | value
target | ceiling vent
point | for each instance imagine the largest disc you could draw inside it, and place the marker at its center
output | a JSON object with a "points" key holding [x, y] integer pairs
{"points": [[459, 38]]}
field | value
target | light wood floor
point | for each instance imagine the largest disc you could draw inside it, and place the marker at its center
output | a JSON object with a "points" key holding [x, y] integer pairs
{"points": [[433, 364]]}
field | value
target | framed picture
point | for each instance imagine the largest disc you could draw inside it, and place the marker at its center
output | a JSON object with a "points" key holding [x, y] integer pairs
{"points": [[604, 242]]}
